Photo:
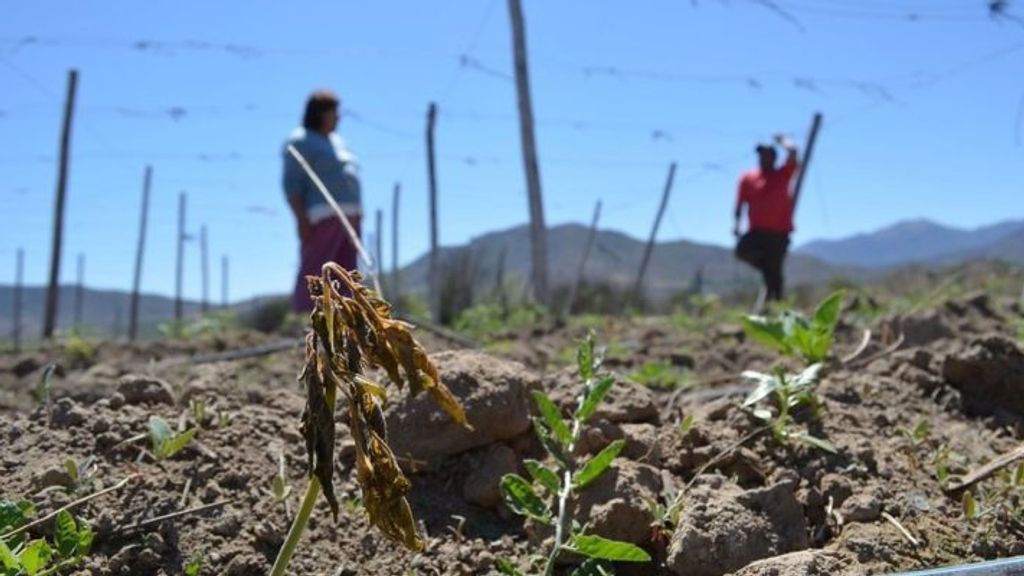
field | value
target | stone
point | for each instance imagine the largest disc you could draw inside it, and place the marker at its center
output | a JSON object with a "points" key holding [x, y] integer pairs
{"points": [[861, 507], [67, 413], [140, 389], [803, 563], [481, 486], [725, 528], [988, 374], [495, 394]]}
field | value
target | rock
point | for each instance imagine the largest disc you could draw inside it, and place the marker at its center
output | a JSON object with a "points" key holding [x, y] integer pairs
{"points": [[641, 443], [228, 526], [247, 565], [116, 400], [626, 401], [836, 486], [861, 507], [51, 475], [725, 528], [139, 389], [615, 505], [26, 365], [66, 413], [802, 563], [923, 329], [481, 485], [495, 394], [988, 374]]}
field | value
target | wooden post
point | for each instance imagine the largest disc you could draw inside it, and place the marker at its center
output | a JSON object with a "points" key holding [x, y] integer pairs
{"points": [[79, 291], [433, 274], [52, 290], [396, 290], [133, 309], [224, 281], [806, 161], [583, 261], [205, 269], [638, 286], [378, 258], [538, 232], [19, 272], [178, 311]]}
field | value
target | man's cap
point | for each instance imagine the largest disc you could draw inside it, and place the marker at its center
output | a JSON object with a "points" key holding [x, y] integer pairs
{"points": [[764, 147]]}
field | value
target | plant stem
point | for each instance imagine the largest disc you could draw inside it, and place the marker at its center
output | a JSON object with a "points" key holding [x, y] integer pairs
{"points": [[295, 533], [564, 524]]}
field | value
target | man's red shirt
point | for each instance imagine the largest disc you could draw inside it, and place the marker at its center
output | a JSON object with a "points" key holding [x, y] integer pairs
{"points": [[769, 205]]}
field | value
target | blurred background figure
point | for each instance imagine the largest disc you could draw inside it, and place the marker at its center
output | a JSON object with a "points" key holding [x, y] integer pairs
{"points": [[321, 235], [765, 192]]}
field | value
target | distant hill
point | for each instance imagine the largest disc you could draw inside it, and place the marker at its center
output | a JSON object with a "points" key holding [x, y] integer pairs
{"points": [[922, 242], [614, 259], [103, 311]]}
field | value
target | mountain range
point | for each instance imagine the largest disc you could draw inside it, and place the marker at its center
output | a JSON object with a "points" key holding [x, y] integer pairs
{"points": [[674, 267]]}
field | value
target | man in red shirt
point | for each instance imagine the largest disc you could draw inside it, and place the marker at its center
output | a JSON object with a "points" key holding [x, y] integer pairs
{"points": [[766, 194]]}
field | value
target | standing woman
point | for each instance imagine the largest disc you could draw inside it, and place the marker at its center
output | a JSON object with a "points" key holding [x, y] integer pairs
{"points": [[321, 234]]}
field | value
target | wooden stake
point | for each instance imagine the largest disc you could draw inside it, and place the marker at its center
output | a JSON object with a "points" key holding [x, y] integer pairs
{"points": [[179, 272], [638, 285], [133, 312], [808, 152], [378, 243], [205, 271], [79, 291], [224, 281], [396, 290], [583, 261], [50, 315], [538, 232], [18, 281], [433, 273]]}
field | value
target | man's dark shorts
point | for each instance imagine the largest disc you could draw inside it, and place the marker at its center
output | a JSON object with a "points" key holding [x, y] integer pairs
{"points": [[762, 249]]}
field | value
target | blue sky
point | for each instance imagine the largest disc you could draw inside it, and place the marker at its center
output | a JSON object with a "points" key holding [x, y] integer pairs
{"points": [[923, 104]]}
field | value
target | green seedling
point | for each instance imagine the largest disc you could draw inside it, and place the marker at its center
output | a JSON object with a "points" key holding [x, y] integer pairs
{"points": [[916, 436], [82, 475], [778, 395], [223, 419], [165, 442], [279, 487], [547, 498], [70, 543], [194, 567], [666, 515], [662, 375], [198, 407], [686, 425], [792, 334], [79, 351], [44, 390]]}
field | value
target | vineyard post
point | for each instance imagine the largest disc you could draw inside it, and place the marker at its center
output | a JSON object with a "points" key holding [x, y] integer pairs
{"points": [[53, 288]]}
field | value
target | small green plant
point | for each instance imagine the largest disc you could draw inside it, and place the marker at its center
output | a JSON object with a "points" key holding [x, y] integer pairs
{"points": [[198, 407], [482, 321], [779, 395], [792, 334], [279, 487], [662, 375], [560, 485], [165, 441], [666, 513], [70, 543], [82, 475], [78, 350], [194, 567], [916, 437]]}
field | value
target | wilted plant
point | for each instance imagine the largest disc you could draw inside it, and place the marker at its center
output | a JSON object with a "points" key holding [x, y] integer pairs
{"points": [[352, 330], [559, 439], [165, 441], [792, 334], [784, 394], [70, 543]]}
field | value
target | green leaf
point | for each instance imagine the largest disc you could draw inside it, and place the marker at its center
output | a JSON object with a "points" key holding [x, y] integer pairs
{"points": [[594, 396], [686, 425], [35, 556], [44, 387], [809, 377], [8, 560], [85, 538], [766, 384], [591, 567], [72, 467], [585, 357], [521, 498], [507, 568], [554, 420], [970, 506], [178, 443], [818, 443], [550, 445], [159, 432], [605, 549], [597, 465], [543, 475], [768, 331], [827, 313], [13, 515], [65, 534]]}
